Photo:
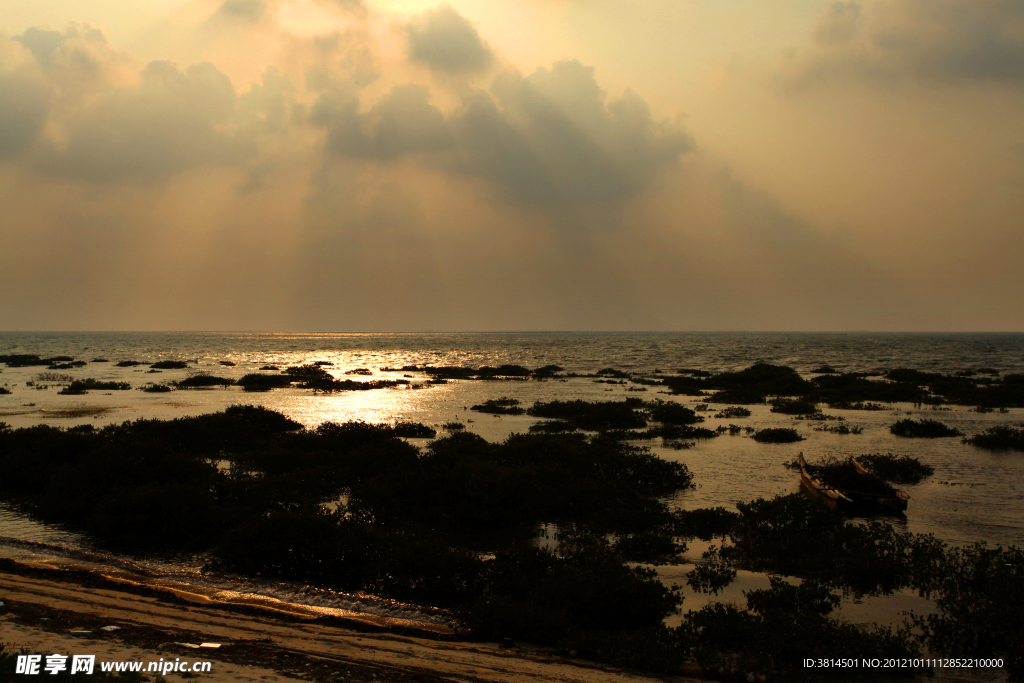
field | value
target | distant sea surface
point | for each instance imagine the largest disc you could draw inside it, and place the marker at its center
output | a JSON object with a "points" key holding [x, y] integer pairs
{"points": [[975, 495], [579, 351]]}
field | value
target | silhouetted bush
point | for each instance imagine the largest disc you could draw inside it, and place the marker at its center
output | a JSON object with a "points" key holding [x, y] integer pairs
{"points": [[704, 523], [781, 627], [733, 411], [257, 380], [1000, 437], [169, 365], [777, 435], [670, 413], [923, 429], [414, 430], [203, 379], [499, 406], [978, 594], [594, 415], [899, 470], [793, 406], [83, 386]]}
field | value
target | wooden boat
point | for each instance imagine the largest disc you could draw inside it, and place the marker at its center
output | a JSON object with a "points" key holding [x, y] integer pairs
{"points": [[853, 488]]}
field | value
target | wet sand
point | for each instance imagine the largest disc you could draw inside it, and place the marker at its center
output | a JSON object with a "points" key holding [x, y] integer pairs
{"points": [[43, 605]]}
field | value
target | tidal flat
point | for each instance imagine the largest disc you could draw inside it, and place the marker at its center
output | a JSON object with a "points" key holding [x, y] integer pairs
{"points": [[563, 514]]}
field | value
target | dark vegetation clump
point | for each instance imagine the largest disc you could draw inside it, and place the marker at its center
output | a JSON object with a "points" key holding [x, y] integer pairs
{"points": [[780, 627], [978, 595], [733, 411], [684, 386], [269, 367], [649, 547], [756, 383], [850, 388], [453, 426], [859, 405], [710, 578], [484, 372], [595, 416], [679, 432], [313, 376], [82, 386], [777, 435], [100, 360], [464, 483], [334, 386], [202, 379], [26, 360], [227, 363], [792, 406], [156, 388], [841, 428], [258, 381], [499, 406], [547, 371], [798, 536], [21, 360], [704, 523], [4, 390], [414, 430], [67, 366], [129, 363], [824, 370], [923, 429], [359, 371], [898, 470], [670, 413], [1000, 437], [125, 483], [169, 365], [143, 470]]}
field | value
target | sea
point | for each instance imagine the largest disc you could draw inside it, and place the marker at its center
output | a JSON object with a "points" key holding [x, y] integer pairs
{"points": [[974, 495]]}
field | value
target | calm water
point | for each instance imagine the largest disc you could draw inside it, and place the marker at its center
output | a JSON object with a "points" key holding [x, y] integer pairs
{"points": [[975, 495]]}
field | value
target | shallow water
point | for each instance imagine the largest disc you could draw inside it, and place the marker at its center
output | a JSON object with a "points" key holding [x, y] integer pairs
{"points": [[974, 495]]}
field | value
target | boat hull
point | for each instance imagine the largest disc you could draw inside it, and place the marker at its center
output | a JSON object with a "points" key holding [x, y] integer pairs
{"points": [[849, 501]]}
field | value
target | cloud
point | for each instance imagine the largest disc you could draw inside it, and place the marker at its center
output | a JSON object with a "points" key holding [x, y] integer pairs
{"points": [[932, 41], [24, 99], [551, 139], [403, 123], [172, 121], [447, 42], [249, 11], [839, 24], [355, 6]]}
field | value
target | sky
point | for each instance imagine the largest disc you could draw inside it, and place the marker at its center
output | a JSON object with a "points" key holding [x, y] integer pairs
{"points": [[477, 165]]}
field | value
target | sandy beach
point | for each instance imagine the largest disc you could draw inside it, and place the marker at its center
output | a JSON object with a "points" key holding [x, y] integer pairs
{"points": [[43, 606]]}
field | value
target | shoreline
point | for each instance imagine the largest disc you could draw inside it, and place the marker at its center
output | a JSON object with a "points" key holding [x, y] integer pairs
{"points": [[42, 605]]}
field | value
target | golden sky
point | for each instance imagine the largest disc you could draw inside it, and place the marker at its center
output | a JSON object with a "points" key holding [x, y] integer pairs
{"points": [[498, 165]]}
